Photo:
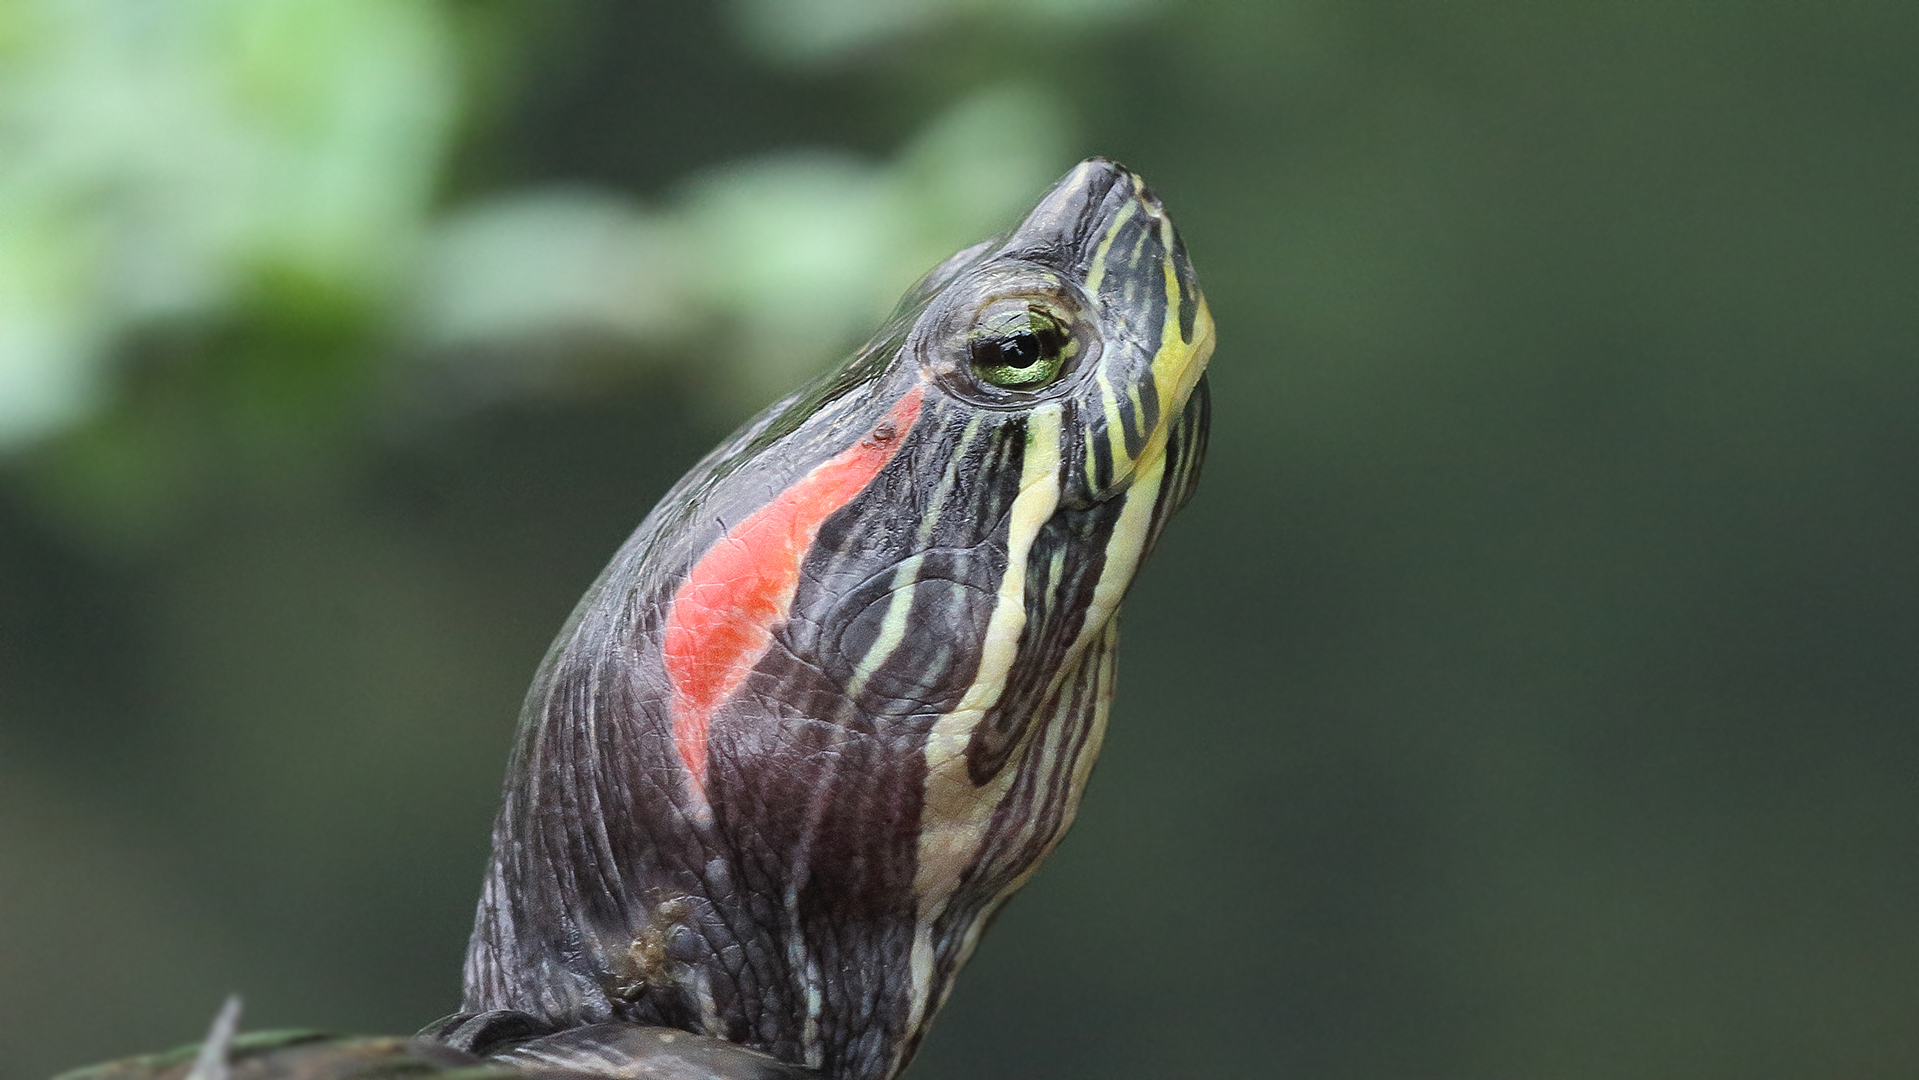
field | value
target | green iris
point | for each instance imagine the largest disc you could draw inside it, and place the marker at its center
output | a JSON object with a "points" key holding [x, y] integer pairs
{"points": [[1018, 346]]}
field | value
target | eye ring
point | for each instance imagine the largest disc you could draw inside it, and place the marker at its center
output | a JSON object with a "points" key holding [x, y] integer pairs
{"points": [[1018, 344]]}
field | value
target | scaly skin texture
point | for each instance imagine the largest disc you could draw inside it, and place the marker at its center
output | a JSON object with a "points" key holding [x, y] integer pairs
{"points": [[838, 695]]}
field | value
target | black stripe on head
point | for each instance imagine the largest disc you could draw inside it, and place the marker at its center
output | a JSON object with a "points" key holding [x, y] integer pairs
{"points": [[1185, 453], [1056, 611], [1148, 412], [1138, 411], [1188, 288], [1132, 431], [1132, 291], [1102, 463]]}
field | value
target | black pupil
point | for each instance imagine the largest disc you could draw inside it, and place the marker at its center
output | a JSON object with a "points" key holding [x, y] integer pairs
{"points": [[1020, 349]]}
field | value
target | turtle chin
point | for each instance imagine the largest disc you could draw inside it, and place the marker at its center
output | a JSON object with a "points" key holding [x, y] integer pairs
{"points": [[1185, 452]]}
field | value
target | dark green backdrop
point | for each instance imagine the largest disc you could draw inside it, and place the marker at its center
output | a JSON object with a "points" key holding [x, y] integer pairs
{"points": [[1531, 690]]}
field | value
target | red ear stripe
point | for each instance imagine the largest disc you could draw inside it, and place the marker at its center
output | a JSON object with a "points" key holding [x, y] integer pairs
{"points": [[722, 618]]}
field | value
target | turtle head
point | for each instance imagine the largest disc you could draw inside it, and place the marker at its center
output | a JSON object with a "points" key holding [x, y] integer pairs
{"points": [[1090, 311], [838, 696]]}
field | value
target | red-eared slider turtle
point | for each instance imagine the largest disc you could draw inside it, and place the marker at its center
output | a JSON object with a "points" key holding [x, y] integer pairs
{"points": [[838, 696]]}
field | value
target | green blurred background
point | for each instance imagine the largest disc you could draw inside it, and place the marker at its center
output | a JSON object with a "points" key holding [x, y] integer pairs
{"points": [[1529, 693]]}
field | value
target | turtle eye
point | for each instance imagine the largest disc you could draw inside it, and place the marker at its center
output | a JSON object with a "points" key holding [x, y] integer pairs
{"points": [[1018, 345]]}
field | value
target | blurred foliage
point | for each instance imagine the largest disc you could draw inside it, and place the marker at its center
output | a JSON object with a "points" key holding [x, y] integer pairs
{"points": [[241, 196], [172, 162], [768, 266], [1529, 691]]}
